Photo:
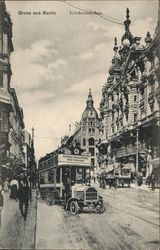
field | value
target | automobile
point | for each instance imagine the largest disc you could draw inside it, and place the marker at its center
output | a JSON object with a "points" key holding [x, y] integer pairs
{"points": [[83, 197], [119, 177]]}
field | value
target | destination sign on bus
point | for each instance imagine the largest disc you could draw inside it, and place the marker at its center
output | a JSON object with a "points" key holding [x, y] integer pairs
{"points": [[78, 160]]}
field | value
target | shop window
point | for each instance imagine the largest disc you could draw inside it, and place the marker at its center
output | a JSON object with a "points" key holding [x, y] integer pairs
{"points": [[91, 141]]}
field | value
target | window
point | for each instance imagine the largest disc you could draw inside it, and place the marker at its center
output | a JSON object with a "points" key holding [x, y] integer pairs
{"points": [[117, 126], [92, 163], [51, 176], [91, 150], [135, 98], [112, 116], [91, 123], [1, 121], [1, 79], [58, 175], [90, 130], [91, 142], [152, 108], [93, 130], [135, 118], [84, 142], [112, 98]]}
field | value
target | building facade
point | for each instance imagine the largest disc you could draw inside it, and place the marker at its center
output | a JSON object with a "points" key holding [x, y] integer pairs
{"points": [[87, 130], [130, 104], [6, 47], [16, 136]]}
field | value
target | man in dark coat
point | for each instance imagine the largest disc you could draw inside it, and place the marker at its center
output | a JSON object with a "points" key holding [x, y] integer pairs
{"points": [[1, 202], [23, 196]]}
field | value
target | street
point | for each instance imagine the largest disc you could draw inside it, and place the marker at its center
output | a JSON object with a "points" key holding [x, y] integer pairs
{"points": [[130, 222]]}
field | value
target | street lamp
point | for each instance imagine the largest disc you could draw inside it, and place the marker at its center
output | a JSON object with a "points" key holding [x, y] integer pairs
{"points": [[137, 142]]}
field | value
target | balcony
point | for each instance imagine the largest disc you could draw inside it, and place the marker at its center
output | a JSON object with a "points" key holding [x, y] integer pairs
{"points": [[129, 150], [4, 96]]}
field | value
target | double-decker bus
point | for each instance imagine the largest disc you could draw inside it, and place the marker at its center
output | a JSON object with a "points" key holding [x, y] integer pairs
{"points": [[63, 177]]}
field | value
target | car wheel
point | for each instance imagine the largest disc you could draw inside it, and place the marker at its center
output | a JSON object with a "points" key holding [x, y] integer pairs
{"points": [[73, 207], [101, 208], [50, 199]]}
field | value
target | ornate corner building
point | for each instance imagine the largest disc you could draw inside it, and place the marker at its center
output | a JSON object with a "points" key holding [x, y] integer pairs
{"points": [[130, 104], [6, 47], [87, 130]]}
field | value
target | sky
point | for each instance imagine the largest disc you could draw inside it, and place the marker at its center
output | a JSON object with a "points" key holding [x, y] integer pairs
{"points": [[57, 58]]}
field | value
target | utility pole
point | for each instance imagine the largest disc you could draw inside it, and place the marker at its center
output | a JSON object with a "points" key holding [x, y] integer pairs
{"points": [[32, 163], [137, 135]]}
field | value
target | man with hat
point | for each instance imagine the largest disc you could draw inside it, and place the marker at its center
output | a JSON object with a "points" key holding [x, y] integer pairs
{"points": [[23, 195]]}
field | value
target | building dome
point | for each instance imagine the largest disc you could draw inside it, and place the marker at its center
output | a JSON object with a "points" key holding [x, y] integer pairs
{"points": [[90, 111]]}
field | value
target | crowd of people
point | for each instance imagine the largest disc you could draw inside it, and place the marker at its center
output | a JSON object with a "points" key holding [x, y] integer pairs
{"points": [[19, 191]]}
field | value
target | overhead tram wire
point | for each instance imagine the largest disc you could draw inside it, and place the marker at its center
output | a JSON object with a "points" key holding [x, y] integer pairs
{"points": [[45, 137], [107, 18]]}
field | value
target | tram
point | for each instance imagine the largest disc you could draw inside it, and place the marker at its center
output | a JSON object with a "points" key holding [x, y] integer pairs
{"points": [[64, 177]]}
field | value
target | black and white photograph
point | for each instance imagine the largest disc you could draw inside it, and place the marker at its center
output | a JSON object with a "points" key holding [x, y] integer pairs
{"points": [[79, 124]]}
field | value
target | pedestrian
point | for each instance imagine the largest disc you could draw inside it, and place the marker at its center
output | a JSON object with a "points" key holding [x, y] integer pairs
{"points": [[1, 202], [153, 182], [14, 189], [23, 196], [149, 180], [6, 185]]}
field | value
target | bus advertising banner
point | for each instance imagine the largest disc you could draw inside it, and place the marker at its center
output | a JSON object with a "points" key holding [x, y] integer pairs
{"points": [[78, 160]]}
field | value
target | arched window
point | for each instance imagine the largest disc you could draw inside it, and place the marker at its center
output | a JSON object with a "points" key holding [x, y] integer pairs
{"points": [[91, 142], [84, 142]]}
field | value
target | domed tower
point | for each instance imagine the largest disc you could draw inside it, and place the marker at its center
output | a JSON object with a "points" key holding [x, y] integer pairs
{"points": [[88, 132]]}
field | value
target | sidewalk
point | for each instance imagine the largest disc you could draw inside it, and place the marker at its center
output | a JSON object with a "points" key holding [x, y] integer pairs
{"points": [[143, 187], [15, 233], [133, 185]]}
